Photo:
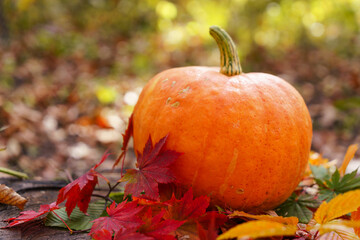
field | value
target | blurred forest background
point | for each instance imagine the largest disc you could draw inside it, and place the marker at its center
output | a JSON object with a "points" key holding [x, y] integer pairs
{"points": [[71, 71]]}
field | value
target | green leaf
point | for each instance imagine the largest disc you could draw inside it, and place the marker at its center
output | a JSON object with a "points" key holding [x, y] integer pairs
{"points": [[298, 206], [118, 197], [337, 185], [335, 179], [319, 172], [308, 201], [326, 195], [78, 220], [349, 182]]}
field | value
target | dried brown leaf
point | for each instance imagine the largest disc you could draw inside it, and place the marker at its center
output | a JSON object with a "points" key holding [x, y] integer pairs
{"points": [[10, 197]]}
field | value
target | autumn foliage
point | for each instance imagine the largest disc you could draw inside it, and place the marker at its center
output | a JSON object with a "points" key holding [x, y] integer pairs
{"points": [[147, 218], [153, 168]]}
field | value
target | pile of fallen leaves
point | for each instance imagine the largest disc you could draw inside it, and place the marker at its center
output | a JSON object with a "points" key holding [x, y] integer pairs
{"points": [[326, 205]]}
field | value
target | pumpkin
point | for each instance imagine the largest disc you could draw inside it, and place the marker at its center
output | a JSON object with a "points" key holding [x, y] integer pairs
{"points": [[245, 137]]}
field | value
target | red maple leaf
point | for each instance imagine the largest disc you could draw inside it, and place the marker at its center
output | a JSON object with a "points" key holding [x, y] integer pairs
{"points": [[153, 166], [212, 219], [131, 235], [122, 217], [208, 224], [193, 213], [126, 138], [157, 227], [27, 216], [204, 234], [102, 234], [187, 208], [79, 191]]}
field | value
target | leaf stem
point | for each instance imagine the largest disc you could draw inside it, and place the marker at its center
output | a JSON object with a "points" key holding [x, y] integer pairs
{"points": [[106, 197], [71, 231], [14, 173]]}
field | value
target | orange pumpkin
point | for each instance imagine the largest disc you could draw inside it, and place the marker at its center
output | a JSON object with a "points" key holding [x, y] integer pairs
{"points": [[245, 136]]}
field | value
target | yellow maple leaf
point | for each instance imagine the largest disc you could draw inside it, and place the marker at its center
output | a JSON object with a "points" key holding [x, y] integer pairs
{"points": [[279, 219], [259, 229], [338, 206], [350, 153]]}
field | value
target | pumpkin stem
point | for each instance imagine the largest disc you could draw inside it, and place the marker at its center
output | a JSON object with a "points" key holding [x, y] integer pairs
{"points": [[230, 63]]}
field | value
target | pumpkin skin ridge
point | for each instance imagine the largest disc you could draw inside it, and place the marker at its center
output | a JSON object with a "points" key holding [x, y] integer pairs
{"points": [[143, 126]]}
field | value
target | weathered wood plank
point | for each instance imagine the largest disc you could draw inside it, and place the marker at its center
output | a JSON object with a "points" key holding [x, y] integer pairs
{"points": [[37, 193]]}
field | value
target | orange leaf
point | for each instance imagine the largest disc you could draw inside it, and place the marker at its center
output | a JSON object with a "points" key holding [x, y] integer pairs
{"points": [[279, 219], [259, 229], [355, 216], [10, 197], [337, 207], [348, 156]]}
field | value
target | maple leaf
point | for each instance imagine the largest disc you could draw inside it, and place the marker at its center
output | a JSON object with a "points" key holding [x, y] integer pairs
{"points": [[208, 224], [130, 235], [121, 217], [102, 234], [10, 197], [126, 139], [193, 212], [187, 208], [27, 216], [158, 228], [206, 235], [79, 191], [153, 166]]}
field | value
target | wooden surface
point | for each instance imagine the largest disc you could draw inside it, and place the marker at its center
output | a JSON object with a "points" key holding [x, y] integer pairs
{"points": [[37, 193]]}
